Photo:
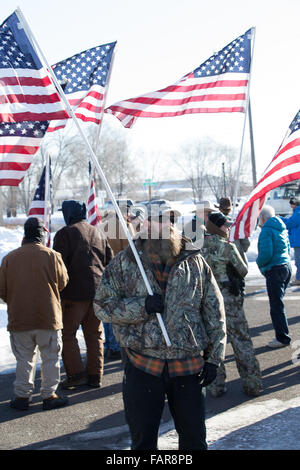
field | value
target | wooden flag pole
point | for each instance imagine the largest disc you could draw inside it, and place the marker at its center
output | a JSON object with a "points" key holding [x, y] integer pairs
{"points": [[244, 127], [97, 165]]}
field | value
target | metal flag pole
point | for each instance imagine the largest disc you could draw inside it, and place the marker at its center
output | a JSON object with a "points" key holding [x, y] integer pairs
{"points": [[104, 100], [253, 162], [47, 187], [35, 44], [244, 126]]}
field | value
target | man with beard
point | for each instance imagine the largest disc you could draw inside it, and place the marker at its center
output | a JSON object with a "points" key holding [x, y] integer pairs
{"points": [[186, 294]]}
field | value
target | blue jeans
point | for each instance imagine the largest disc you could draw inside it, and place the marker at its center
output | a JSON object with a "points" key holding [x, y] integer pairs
{"points": [[277, 279], [110, 340], [297, 261]]}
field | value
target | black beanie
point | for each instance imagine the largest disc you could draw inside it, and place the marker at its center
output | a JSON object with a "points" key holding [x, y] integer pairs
{"points": [[218, 219], [33, 230]]}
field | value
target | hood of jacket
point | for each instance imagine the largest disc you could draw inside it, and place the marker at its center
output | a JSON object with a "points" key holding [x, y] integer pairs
{"points": [[73, 211], [275, 223]]}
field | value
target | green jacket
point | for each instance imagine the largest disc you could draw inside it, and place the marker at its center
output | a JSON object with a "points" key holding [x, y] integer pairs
{"points": [[193, 315], [219, 253]]}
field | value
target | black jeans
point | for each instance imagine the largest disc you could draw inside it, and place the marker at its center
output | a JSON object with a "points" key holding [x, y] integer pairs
{"points": [[144, 399], [277, 279]]}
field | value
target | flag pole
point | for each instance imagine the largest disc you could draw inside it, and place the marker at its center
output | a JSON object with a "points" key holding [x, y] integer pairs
{"points": [[97, 165], [253, 162], [46, 189], [104, 100], [244, 126]]}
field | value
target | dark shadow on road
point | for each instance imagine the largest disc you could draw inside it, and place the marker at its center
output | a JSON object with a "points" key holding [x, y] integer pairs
{"points": [[258, 330]]}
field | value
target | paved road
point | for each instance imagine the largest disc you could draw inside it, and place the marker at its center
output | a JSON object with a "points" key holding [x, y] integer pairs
{"points": [[95, 418]]}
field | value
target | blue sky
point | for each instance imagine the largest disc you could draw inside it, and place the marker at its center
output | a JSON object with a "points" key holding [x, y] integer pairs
{"points": [[161, 40]]}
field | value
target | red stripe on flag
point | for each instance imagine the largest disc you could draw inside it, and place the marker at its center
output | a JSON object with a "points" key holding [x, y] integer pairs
{"points": [[189, 99], [30, 99], [20, 149], [14, 166], [36, 211], [138, 112], [25, 81], [29, 116]]}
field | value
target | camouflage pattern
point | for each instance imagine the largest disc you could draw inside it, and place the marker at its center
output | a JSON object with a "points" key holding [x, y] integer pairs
{"points": [[194, 314], [218, 252]]}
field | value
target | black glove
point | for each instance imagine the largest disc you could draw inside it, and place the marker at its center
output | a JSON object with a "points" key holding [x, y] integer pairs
{"points": [[208, 374], [154, 304], [234, 280]]}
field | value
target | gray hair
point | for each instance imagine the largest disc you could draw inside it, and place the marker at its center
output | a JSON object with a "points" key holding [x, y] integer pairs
{"points": [[267, 212]]}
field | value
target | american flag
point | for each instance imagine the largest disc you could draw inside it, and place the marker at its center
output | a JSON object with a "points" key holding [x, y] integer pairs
{"points": [[41, 205], [284, 167], [218, 85], [27, 92], [94, 217], [84, 77], [18, 144]]}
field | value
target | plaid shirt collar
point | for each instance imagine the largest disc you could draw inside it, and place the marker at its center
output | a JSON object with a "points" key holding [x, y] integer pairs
{"points": [[161, 271]]}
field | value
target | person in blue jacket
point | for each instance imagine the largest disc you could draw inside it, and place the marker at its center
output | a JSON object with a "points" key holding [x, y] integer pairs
{"points": [[293, 225], [274, 263]]}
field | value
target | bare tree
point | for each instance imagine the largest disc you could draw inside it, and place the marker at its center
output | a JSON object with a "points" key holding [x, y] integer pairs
{"points": [[210, 165], [69, 163]]}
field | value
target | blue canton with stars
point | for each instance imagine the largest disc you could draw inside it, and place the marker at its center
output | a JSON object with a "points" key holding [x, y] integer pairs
{"points": [[24, 129], [86, 69], [234, 58], [39, 194], [15, 48], [295, 124]]}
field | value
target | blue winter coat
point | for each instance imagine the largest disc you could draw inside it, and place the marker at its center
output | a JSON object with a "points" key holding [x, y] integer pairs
{"points": [[293, 225], [273, 245]]}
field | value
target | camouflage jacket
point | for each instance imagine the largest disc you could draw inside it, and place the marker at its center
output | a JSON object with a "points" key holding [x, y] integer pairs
{"points": [[193, 314], [218, 253]]}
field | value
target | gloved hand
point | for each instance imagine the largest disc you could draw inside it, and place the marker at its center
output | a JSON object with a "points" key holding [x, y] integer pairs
{"points": [[208, 374], [154, 304]]}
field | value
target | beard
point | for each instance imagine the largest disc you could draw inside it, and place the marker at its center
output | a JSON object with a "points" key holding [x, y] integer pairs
{"points": [[165, 248]]}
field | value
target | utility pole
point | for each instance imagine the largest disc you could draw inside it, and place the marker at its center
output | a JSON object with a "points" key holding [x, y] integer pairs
{"points": [[254, 178], [224, 178]]}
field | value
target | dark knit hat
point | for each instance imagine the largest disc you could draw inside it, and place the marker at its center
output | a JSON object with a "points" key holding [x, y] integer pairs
{"points": [[34, 229], [219, 219]]}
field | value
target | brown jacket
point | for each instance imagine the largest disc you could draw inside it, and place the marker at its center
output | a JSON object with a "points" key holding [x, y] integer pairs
{"points": [[86, 252], [30, 280]]}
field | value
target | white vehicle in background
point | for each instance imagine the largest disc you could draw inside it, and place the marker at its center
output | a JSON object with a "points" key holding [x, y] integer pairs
{"points": [[279, 197]]}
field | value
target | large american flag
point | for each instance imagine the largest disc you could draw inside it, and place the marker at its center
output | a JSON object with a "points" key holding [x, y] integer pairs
{"points": [[94, 217], [218, 85], [27, 92], [284, 167], [41, 203], [18, 144], [84, 77]]}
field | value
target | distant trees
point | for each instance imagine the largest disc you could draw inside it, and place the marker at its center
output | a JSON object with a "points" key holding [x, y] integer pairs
{"points": [[69, 164], [207, 164]]}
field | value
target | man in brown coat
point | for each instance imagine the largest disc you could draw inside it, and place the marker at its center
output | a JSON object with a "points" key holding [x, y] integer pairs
{"points": [[30, 280], [86, 252]]}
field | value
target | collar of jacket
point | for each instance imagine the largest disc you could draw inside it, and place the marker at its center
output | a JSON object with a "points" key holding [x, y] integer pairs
{"points": [[214, 230], [139, 243]]}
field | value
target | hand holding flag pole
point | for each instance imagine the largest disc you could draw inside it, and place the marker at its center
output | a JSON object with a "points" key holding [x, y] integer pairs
{"points": [[97, 166]]}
